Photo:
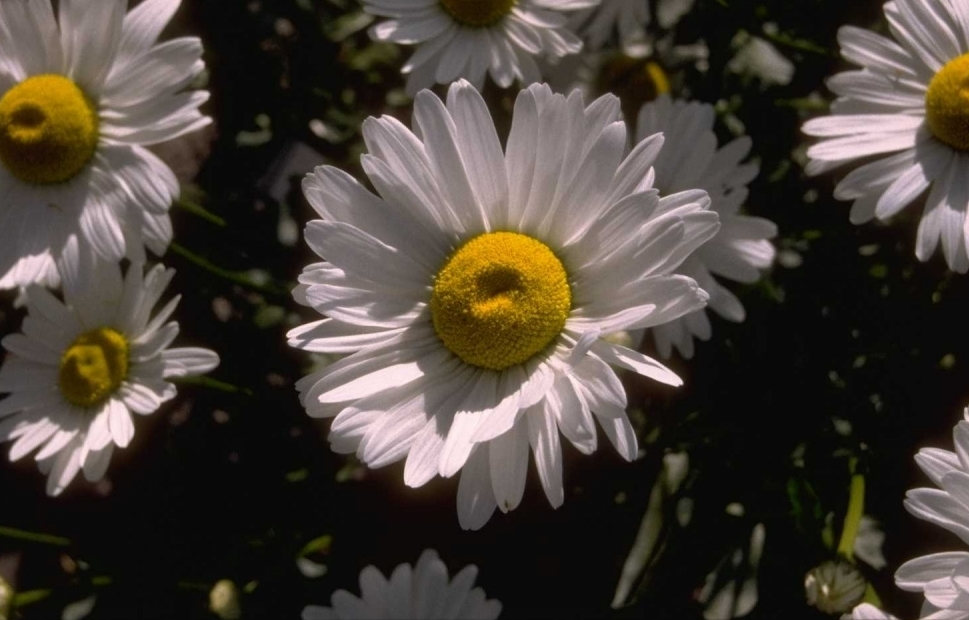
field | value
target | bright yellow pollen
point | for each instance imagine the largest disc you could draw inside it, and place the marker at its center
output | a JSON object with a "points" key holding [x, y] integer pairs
{"points": [[947, 103], [478, 13], [500, 299], [93, 367], [48, 129]]}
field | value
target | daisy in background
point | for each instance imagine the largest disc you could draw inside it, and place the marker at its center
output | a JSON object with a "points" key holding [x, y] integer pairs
{"points": [[906, 107], [628, 19], [81, 95], [469, 38], [690, 159], [475, 293], [423, 592], [867, 611], [942, 577], [81, 367]]}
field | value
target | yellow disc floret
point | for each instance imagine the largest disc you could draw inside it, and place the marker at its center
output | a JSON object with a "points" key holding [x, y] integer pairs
{"points": [[478, 13], [93, 367], [947, 103], [48, 129], [500, 299]]}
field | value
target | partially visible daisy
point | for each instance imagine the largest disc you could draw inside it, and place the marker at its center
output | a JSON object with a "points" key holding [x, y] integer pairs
{"points": [[867, 611], [942, 577], [690, 159], [81, 367], [81, 96], [628, 19], [423, 592], [470, 38], [475, 293], [906, 107]]}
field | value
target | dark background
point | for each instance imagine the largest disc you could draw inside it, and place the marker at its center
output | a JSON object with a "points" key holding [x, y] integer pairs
{"points": [[232, 484]]}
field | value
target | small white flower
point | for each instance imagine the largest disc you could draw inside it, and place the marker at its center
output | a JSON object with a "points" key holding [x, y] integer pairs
{"points": [[81, 96], [835, 586], [475, 294], [942, 577], [471, 38], [758, 58], [80, 368], [421, 593], [690, 159], [906, 108]]}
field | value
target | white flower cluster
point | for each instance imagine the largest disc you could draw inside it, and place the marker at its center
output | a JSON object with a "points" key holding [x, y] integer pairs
{"points": [[82, 94]]}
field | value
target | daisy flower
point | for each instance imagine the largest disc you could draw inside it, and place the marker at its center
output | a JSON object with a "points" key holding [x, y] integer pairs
{"points": [[905, 107], [81, 95], [81, 367], [942, 577], [691, 159], [474, 294], [419, 593], [469, 38], [628, 18]]}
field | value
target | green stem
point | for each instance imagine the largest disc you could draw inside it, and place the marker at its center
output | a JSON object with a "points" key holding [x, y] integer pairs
{"points": [[214, 384], [199, 211], [232, 276], [46, 539], [856, 507], [797, 44]]}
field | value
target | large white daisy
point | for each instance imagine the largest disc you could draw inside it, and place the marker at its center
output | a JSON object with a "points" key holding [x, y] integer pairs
{"points": [[474, 294], [690, 159], [942, 577], [81, 367], [423, 592], [470, 38], [81, 95], [906, 106]]}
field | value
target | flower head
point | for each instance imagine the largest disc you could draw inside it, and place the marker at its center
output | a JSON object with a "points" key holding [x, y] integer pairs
{"points": [[81, 95], [81, 367], [419, 593], [942, 577], [471, 38], [690, 158], [474, 294], [906, 106]]}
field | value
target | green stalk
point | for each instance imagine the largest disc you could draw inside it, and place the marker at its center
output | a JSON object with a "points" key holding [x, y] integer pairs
{"points": [[856, 507], [37, 537]]}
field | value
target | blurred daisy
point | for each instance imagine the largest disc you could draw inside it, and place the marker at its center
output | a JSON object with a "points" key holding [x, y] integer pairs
{"points": [[906, 106], [474, 294], [469, 38], [628, 18], [80, 97], [942, 577], [418, 593], [690, 158], [867, 611], [80, 368]]}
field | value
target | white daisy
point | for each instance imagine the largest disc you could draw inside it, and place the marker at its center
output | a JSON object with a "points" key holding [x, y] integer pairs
{"points": [[628, 18], [690, 158], [423, 592], [867, 611], [474, 293], [942, 577], [905, 106], [469, 38], [80, 368], [81, 95]]}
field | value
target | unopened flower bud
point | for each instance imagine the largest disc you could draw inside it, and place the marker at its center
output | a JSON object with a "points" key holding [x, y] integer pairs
{"points": [[224, 600]]}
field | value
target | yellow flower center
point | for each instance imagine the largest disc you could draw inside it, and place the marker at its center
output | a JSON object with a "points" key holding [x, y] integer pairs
{"points": [[93, 367], [947, 103], [478, 13], [48, 129], [499, 299]]}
